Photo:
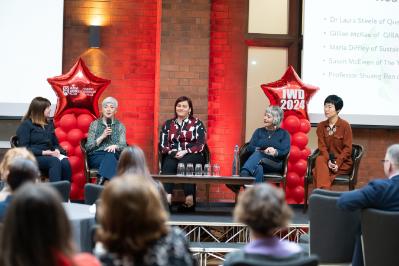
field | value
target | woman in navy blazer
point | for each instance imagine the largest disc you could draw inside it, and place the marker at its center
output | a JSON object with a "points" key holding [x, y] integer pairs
{"points": [[36, 133]]}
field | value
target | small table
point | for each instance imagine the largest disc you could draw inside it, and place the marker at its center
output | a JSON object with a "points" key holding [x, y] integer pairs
{"points": [[82, 222], [207, 180]]}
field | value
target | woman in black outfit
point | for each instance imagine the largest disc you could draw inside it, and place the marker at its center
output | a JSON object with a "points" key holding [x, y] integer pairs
{"points": [[36, 133]]}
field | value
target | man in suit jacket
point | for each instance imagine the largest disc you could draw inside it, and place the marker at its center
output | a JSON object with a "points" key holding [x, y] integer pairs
{"points": [[379, 194]]}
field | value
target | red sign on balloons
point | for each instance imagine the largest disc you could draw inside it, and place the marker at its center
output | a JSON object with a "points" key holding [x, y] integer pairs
{"points": [[292, 95], [78, 92]]}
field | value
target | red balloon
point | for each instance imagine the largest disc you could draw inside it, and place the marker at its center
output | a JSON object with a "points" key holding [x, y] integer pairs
{"points": [[290, 93], [300, 139], [293, 179], [305, 125], [61, 135], [76, 163], [79, 178], [300, 167], [292, 124], [68, 122], [305, 153], [295, 153], [84, 121], [298, 194], [79, 88], [68, 147], [78, 152], [74, 136], [76, 192]]}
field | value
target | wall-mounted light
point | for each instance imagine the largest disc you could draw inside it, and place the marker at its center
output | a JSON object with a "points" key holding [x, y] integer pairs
{"points": [[94, 36]]}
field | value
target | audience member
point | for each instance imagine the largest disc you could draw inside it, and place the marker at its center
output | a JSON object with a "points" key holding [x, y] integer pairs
{"points": [[20, 171], [182, 140], [105, 140], [37, 231], [269, 146], [335, 145], [132, 162], [264, 210], [8, 158], [134, 230], [379, 194], [36, 133]]}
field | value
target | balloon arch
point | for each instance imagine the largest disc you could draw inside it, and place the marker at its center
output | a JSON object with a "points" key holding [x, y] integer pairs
{"points": [[292, 95]]}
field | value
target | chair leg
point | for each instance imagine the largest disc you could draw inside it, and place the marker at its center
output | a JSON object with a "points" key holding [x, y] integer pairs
{"points": [[305, 203]]}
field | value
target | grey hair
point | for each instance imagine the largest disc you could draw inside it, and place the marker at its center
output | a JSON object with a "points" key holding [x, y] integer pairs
{"points": [[276, 113], [393, 154], [110, 100]]}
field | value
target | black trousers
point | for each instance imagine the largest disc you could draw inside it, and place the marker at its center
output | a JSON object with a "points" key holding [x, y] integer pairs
{"points": [[169, 167]]}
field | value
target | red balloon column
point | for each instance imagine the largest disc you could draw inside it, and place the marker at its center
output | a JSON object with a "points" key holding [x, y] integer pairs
{"points": [[78, 92], [292, 95]]}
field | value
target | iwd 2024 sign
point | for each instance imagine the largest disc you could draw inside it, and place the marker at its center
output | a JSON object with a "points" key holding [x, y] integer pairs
{"points": [[293, 96]]}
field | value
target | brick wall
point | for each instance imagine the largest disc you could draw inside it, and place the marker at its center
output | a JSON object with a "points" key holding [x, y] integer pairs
{"points": [[184, 56], [227, 84], [128, 57]]}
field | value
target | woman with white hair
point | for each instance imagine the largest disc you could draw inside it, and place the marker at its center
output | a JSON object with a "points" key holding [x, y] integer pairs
{"points": [[269, 146], [105, 140]]}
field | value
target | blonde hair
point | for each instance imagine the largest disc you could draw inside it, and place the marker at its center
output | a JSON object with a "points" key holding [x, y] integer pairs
{"points": [[10, 156]]}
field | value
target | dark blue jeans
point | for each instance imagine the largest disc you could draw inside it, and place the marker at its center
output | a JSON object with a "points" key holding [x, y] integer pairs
{"points": [[57, 170], [105, 162], [252, 167]]}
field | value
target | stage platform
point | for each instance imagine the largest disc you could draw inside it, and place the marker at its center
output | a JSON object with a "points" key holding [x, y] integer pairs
{"points": [[213, 233]]}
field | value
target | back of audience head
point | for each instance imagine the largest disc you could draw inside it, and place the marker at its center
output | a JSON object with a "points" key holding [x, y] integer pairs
{"points": [[10, 156], [131, 215], [22, 171], [263, 208], [36, 229], [132, 161]]}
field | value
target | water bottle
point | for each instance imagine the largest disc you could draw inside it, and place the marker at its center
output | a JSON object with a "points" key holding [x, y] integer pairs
{"points": [[236, 160]]}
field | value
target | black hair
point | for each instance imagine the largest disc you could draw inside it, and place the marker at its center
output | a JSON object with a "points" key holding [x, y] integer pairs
{"points": [[21, 171], [336, 101]]}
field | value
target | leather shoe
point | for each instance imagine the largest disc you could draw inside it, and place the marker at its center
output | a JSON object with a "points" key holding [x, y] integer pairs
{"points": [[185, 209]]}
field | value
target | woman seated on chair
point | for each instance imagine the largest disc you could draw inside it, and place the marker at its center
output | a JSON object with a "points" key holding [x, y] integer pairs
{"points": [[264, 210], [36, 133], [105, 140], [37, 231], [132, 162], [334, 143], [133, 227], [182, 140], [269, 146]]}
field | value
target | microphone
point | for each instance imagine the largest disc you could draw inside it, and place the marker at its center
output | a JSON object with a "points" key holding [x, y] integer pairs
{"points": [[331, 157], [109, 122]]}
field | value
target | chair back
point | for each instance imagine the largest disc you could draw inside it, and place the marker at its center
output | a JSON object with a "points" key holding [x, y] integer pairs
{"points": [[14, 141], [63, 187], [357, 154], [380, 235], [332, 231], [206, 152], [89, 173], [92, 193]]}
